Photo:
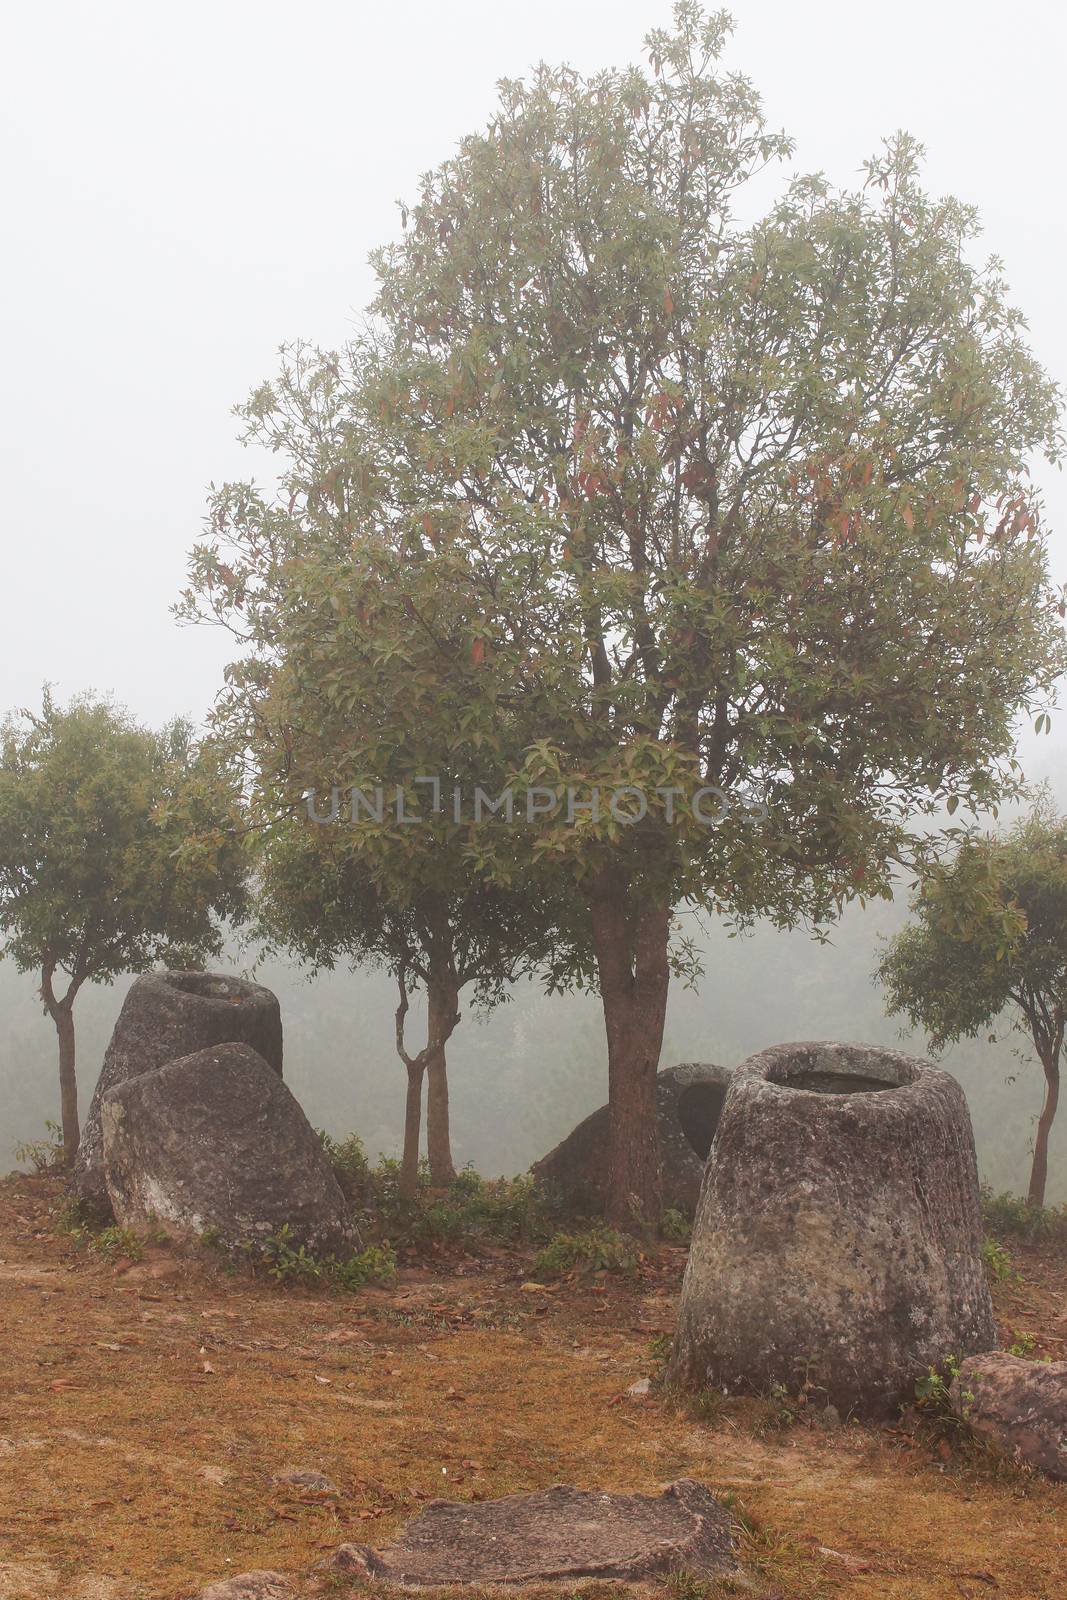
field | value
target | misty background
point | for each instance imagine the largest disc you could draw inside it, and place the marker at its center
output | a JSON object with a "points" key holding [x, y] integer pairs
{"points": [[184, 189]]}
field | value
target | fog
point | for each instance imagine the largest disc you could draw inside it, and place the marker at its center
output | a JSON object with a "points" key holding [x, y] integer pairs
{"points": [[522, 1078], [185, 188]]}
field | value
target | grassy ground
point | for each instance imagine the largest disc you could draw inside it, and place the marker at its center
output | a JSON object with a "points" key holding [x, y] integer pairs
{"points": [[146, 1406]]}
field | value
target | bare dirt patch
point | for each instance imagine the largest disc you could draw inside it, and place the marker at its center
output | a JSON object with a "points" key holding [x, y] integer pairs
{"points": [[146, 1410]]}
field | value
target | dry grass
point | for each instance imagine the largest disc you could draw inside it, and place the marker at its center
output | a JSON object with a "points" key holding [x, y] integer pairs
{"points": [[145, 1408]]}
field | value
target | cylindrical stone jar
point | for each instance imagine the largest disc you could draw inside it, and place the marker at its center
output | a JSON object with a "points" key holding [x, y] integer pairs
{"points": [[837, 1241]]}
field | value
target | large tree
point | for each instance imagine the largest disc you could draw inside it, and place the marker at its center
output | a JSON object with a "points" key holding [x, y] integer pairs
{"points": [[990, 941], [119, 846], [723, 505]]}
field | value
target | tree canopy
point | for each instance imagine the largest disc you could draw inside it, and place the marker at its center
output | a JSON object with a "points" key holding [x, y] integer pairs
{"points": [[990, 939], [119, 846], [716, 506]]}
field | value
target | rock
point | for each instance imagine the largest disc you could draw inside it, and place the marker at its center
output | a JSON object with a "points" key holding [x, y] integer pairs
{"points": [[215, 1141], [559, 1533], [166, 1015], [639, 1391], [312, 1482], [838, 1237], [1018, 1405], [689, 1101], [250, 1586]]}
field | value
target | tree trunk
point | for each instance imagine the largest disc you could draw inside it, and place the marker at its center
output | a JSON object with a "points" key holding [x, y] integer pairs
{"points": [[63, 1017], [630, 943], [1050, 1061], [442, 1000], [409, 1165]]}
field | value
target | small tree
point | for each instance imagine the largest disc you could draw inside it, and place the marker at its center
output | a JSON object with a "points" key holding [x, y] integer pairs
{"points": [[357, 741], [118, 845], [991, 938], [318, 898], [743, 507]]}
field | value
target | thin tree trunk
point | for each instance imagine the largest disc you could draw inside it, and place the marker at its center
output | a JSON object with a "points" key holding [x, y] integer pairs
{"points": [[1050, 1061], [409, 1164], [442, 1001], [442, 992], [631, 953], [63, 1017], [416, 1067], [61, 1011]]}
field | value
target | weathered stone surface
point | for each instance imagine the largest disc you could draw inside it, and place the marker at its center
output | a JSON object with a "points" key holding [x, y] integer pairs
{"points": [[216, 1141], [559, 1533], [1018, 1405], [689, 1101], [838, 1236], [250, 1586], [164, 1016]]}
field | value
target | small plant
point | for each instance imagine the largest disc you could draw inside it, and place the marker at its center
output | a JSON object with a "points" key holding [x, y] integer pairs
{"points": [[1024, 1344], [598, 1249], [43, 1155], [375, 1264], [706, 1404], [659, 1349], [776, 1411], [110, 1244], [286, 1262], [934, 1401], [997, 1260], [687, 1586], [675, 1226]]}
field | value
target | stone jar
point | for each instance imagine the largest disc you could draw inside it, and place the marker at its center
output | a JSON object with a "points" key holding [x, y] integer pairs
{"points": [[837, 1241], [166, 1015], [689, 1101]]}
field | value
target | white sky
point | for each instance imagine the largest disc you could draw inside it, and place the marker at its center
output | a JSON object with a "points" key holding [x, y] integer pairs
{"points": [[183, 188]]}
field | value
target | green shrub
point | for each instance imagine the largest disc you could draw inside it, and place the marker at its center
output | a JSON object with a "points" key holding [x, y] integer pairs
{"points": [[287, 1262], [294, 1264], [598, 1249], [496, 1210], [348, 1160], [108, 1243], [375, 1264], [1010, 1214]]}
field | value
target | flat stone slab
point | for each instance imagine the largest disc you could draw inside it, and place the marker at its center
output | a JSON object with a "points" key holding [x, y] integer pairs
{"points": [[560, 1533], [250, 1586]]}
